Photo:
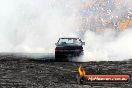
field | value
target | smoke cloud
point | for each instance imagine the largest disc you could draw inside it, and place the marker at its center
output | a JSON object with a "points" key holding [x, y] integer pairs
{"points": [[108, 47], [33, 26]]}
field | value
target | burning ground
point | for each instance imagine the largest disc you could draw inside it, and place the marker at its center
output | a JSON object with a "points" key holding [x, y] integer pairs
{"points": [[22, 72]]}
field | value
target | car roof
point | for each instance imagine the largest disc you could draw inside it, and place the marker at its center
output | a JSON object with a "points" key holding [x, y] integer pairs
{"points": [[69, 38]]}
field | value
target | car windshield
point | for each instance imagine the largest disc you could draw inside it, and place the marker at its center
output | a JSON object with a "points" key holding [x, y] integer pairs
{"points": [[69, 41]]}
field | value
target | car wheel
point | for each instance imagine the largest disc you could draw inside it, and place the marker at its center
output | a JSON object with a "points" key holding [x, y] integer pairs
{"points": [[57, 58]]}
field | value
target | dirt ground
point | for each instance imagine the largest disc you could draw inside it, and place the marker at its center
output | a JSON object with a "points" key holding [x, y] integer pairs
{"points": [[20, 72]]}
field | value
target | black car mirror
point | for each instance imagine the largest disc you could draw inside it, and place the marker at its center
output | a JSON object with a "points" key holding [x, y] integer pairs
{"points": [[83, 43], [56, 44]]}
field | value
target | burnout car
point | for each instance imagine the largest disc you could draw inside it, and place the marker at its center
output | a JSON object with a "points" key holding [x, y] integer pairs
{"points": [[68, 47]]}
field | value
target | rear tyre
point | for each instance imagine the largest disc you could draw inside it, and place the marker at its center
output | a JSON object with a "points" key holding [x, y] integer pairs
{"points": [[57, 58]]}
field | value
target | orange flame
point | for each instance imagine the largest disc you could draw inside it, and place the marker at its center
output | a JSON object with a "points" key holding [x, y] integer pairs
{"points": [[81, 71]]}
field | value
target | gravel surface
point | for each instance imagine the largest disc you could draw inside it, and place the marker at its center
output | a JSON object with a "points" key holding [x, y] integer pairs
{"points": [[22, 72]]}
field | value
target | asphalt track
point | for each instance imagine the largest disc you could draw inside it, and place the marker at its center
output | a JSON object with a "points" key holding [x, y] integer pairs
{"points": [[25, 72]]}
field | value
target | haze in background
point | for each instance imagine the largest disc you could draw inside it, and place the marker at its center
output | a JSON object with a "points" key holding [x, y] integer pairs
{"points": [[33, 26], [100, 29]]}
